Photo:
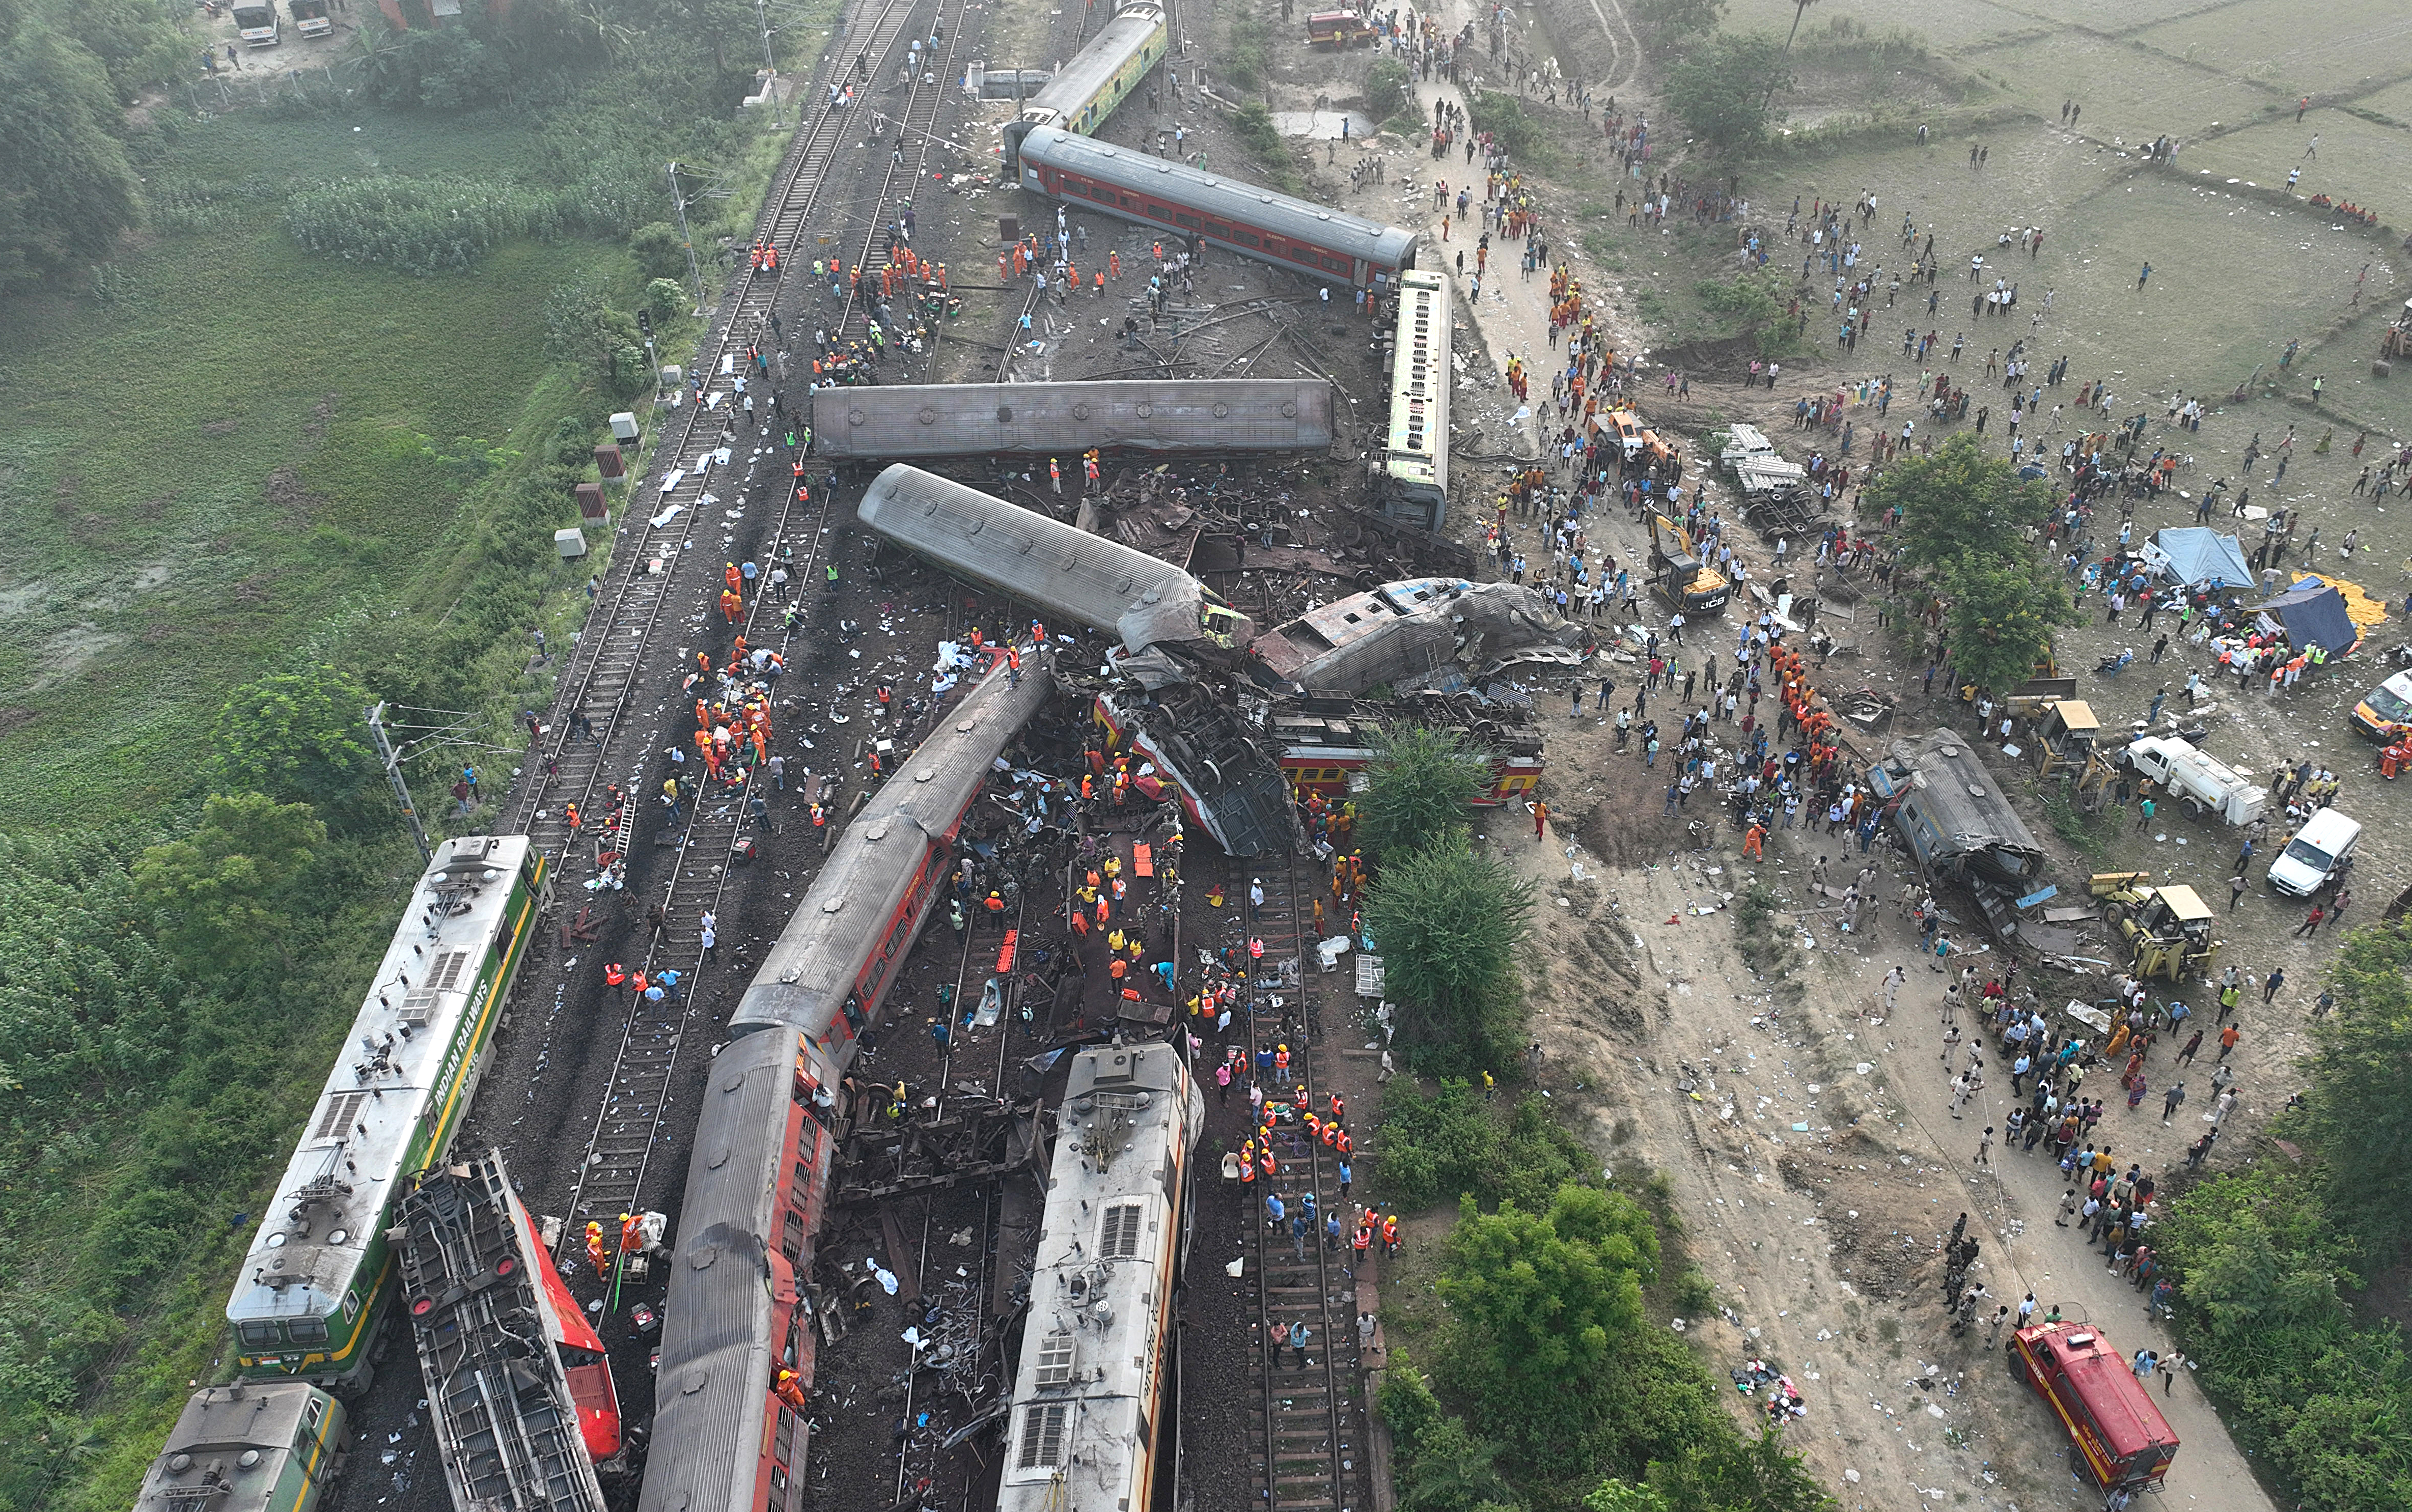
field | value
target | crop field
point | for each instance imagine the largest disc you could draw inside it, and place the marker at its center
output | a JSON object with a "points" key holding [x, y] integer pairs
{"points": [[244, 447]]}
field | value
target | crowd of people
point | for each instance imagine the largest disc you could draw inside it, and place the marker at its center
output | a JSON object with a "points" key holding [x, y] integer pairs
{"points": [[2049, 1061]]}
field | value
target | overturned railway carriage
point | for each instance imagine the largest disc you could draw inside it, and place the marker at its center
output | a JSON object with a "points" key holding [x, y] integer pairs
{"points": [[1236, 416], [1188, 203], [314, 1287], [517, 1387], [1099, 77], [1411, 477], [730, 1432], [1068, 574], [1095, 1422]]}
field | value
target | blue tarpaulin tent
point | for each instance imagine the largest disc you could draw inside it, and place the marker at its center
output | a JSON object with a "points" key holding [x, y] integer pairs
{"points": [[2198, 555], [2312, 613]]}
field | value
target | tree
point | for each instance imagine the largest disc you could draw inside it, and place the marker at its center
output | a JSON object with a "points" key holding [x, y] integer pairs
{"points": [[1454, 1469], [1417, 786], [220, 893], [1391, 92], [582, 327], [1722, 89], [1729, 1472], [66, 190], [137, 41], [1753, 304], [2001, 611], [1542, 1300], [2358, 1112], [1674, 20], [1957, 497], [299, 736], [1448, 923], [1623, 1497], [1800, 8]]}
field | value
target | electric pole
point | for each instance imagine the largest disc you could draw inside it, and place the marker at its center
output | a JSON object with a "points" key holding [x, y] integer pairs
{"points": [[687, 239], [762, 15], [386, 759]]}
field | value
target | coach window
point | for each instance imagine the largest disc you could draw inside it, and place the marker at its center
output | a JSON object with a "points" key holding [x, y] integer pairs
{"points": [[1158, 212], [1190, 221], [1303, 253], [1338, 265], [1218, 229], [1246, 238]]}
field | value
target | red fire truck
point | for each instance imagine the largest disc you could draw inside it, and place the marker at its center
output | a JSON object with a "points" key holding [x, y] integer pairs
{"points": [[2125, 1441], [1337, 29]]}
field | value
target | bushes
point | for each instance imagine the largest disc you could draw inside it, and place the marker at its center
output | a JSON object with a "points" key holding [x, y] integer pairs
{"points": [[1255, 124], [1503, 115], [1751, 305], [443, 224], [1390, 97], [1451, 1143]]}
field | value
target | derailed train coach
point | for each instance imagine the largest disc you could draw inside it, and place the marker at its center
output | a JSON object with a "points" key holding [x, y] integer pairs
{"points": [[1148, 417], [731, 1432], [1068, 574], [1189, 204]]}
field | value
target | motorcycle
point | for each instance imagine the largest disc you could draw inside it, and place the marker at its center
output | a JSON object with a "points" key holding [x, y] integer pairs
{"points": [[2114, 665]]}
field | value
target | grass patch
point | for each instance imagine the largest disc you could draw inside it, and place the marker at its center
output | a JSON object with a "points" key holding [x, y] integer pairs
{"points": [[223, 471], [1255, 124], [237, 458], [2089, 834]]}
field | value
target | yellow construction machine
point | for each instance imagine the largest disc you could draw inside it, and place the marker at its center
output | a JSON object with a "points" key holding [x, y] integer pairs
{"points": [[2168, 930]]}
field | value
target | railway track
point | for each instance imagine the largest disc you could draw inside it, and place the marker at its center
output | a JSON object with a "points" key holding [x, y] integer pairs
{"points": [[1309, 1417], [917, 132], [662, 585], [653, 564]]}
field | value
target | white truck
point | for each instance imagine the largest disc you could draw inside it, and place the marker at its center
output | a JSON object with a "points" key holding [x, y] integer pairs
{"points": [[2198, 781]]}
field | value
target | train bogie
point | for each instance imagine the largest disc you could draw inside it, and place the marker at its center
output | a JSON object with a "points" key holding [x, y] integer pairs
{"points": [[730, 1431], [1100, 76], [251, 1447]]}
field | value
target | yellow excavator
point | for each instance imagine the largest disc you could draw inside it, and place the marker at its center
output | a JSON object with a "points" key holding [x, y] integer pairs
{"points": [[1678, 573]]}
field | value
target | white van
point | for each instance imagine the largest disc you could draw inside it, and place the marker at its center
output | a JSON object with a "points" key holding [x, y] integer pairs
{"points": [[2318, 855]]}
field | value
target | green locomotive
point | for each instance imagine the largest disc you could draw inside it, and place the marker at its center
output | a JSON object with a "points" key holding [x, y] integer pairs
{"points": [[315, 1286]]}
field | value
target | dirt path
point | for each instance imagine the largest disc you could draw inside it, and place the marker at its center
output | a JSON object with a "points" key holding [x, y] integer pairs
{"points": [[1816, 1165]]}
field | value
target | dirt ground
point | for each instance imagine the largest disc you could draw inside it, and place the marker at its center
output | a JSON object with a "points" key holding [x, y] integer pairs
{"points": [[1812, 1110]]}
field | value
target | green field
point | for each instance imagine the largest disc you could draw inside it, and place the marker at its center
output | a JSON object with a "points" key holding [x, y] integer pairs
{"points": [[224, 457], [240, 454]]}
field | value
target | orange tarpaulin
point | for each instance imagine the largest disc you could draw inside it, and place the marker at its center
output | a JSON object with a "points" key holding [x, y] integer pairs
{"points": [[1142, 861], [1004, 951]]}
